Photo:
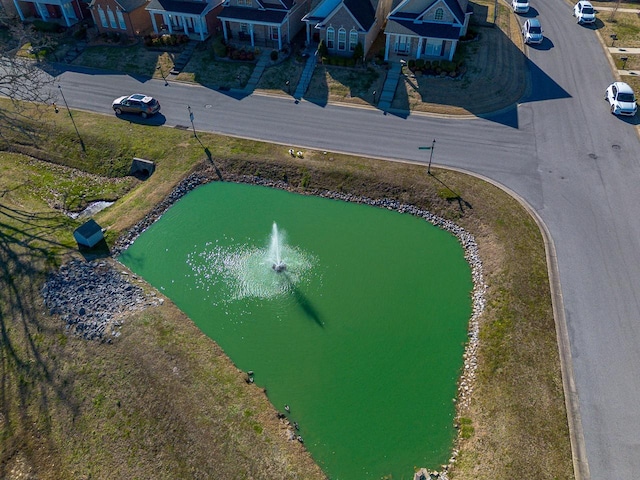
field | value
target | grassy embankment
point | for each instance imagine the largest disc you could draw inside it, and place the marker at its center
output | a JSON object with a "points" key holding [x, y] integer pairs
{"points": [[163, 401]]}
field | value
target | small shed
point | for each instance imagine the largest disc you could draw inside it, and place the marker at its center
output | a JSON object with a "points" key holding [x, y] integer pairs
{"points": [[88, 234]]}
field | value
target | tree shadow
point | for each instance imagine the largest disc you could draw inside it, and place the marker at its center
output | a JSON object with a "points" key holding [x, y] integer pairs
{"points": [[32, 382]]}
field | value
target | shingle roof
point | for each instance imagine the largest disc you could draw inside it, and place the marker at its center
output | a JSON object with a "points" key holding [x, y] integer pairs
{"points": [[125, 5], [253, 15], [363, 11], [443, 31], [194, 8]]}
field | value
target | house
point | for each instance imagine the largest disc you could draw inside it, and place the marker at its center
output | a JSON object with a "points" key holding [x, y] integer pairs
{"points": [[194, 18], [127, 17], [64, 12], [428, 29], [342, 24], [88, 234], [270, 23]]}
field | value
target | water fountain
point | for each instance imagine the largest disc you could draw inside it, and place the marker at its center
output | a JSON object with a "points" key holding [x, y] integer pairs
{"points": [[274, 251]]}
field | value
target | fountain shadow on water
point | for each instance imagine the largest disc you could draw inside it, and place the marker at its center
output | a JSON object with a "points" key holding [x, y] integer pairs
{"points": [[303, 302]]}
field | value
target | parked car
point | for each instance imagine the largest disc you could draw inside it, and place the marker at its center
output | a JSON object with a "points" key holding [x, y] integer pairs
{"points": [[520, 6], [584, 12], [532, 31], [136, 103], [621, 99]]}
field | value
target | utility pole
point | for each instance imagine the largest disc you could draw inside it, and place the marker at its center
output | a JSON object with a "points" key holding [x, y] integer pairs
{"points": [[71, 117]]}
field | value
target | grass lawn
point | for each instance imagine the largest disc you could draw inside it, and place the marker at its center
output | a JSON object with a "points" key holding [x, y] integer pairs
{"points": [[163, 401], [625, 25], [348, 85], [133, 59]]}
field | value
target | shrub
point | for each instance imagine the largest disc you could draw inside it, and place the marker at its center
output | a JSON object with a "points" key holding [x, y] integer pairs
{"points": [[273, 55], [358, 52], [81, 33], [219, 48], [351, 62], [420, 64], [48, 27], [412, 64], [323, 51]]}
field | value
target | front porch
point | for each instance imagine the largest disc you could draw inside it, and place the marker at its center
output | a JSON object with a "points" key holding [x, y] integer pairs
{"points": [[253, 34], [405, 47], [63, 12], [191, 21]]}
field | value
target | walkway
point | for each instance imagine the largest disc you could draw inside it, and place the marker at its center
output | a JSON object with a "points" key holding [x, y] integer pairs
{"points": [[307, 73], [626, 51], [184, 58], [390, 85], [258, 70]]}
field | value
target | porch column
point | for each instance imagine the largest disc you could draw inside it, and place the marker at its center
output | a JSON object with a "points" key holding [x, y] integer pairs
{"points": [[167, 21], [308, 33], [64, 14], [184, 24], [419, 52], [153, 21], [224, 30], [17, 5], [386, 48], [279, 38], [201, 28], [42, 11], [251, 33], [452, 50]]}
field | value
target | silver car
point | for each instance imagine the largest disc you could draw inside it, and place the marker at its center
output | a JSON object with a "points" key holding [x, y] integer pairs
{"points": [[532, 31], [143, 105]]}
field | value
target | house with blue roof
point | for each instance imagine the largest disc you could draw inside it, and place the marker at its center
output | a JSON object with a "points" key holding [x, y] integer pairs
{"points": [[428, 29], [342, 24]]}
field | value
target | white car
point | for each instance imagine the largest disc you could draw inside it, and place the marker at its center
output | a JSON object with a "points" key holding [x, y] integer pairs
{"points": [[584, 12], [532, 31], [621, 99], [520, 6]]}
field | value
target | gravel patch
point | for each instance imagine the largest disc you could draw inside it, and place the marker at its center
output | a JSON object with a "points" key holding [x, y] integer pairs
{"points": [[94, 298]]}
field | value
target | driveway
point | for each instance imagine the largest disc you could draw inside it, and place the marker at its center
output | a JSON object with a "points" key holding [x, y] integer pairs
{"points": [[560, 150]]}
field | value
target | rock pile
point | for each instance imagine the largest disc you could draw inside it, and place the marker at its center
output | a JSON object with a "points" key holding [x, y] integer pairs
{"points": [[93, 298]]}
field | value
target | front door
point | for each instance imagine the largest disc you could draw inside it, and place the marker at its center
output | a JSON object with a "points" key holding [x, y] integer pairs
{"points": [[403, 45], [433, 48]]}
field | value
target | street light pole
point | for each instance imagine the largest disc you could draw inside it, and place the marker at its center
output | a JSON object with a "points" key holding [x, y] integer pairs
{"points": [[191, 119], [432, 148], [159, 67], [71, 117]]}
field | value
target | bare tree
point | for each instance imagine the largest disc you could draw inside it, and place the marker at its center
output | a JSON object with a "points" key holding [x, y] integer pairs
{"points": [[24, 81]]}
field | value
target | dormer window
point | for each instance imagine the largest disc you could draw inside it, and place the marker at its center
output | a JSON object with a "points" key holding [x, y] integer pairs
{"points": [[439, 15]]}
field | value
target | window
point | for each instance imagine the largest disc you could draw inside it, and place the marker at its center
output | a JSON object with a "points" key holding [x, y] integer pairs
{"points": [[353, 40], [274, 33], [244, 3], [342, 39], [439, 15], [244, 28], [331, 38], [123, 26], [103, 17], [112, 18]]}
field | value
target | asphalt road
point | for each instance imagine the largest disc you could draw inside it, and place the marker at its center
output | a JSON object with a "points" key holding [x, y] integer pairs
{"points": [[560, 150]]}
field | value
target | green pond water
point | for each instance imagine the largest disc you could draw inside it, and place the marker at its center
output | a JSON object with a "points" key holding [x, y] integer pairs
{"points": [[362, 335]]}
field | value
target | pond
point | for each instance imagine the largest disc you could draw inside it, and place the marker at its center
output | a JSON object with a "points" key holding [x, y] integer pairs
{"points": [[362, 333]]}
